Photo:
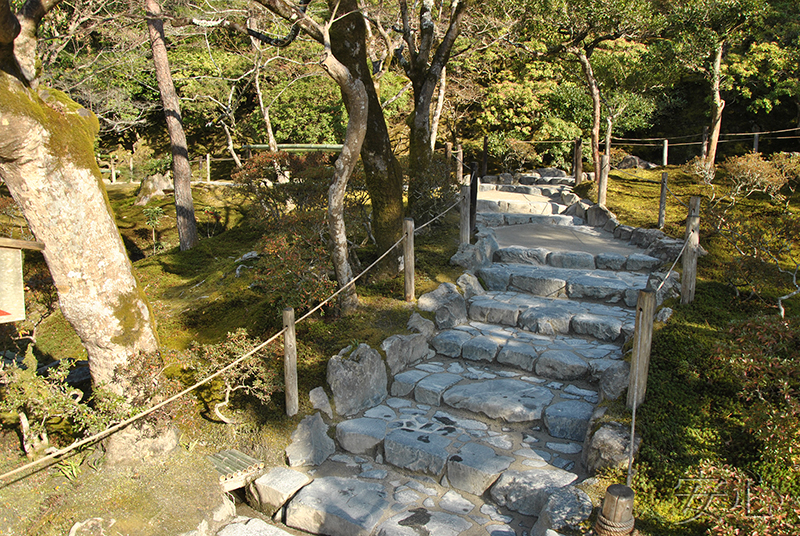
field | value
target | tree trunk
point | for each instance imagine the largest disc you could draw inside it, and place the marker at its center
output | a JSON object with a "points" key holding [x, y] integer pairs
{"points": [[355, 96], [437, 113], [594, 93], [182, 171], [716, 109], [384, 176], [47, 161], [424, 77]]}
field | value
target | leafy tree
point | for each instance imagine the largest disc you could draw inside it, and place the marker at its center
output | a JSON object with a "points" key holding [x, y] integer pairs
{"points": [[575, 30], [702, 32]]}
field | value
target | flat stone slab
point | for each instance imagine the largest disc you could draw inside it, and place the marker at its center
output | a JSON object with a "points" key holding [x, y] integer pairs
{"points": [[419, 521], [527, 492], [405, 382], [248, 526], [568, 419], [361, 436], [449, 342], [269, 492], [417, 450], [338, 507], [509, 399], [429, 390], [476, 467], [561, 365]]}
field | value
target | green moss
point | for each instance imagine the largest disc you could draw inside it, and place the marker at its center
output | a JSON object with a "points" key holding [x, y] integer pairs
{"points": [[129, 314], [71, 128]]}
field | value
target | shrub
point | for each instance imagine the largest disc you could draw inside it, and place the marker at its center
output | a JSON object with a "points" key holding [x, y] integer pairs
{"points": [[44, 405], [302, 184], [749, 174], [293, 269], [762, 354], [255, 376]]}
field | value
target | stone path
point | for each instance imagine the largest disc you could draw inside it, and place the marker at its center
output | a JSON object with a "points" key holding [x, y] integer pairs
{"points": [[481, 427]]}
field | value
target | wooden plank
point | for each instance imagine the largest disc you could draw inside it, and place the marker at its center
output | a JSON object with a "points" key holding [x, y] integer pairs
{"points": [[21, 244]]}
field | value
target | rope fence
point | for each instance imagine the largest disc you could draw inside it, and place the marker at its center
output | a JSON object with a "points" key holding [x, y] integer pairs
{"points": [[149, 411]]}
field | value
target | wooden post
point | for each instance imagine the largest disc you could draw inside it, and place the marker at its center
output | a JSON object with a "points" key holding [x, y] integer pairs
{"points": [[208, 167], [665, 155], [689, 277], [465, 231], [616, 516], [448, 158], [642, 337], [662, 205], [602, 184], [755, 142], [408, 258], [473, 196], [485, 162], [577, 161], [290, 362], [113, 160], [459, 165]]}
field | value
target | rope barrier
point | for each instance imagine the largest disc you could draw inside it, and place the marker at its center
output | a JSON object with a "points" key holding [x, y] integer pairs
{"points": [[115, 428], [685, 243]]}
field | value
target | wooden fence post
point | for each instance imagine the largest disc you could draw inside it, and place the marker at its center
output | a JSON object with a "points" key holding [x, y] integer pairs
{"points": [[473, 196], [642, 338], [485, 161], [290, 362], [602, 184], [665, 155], [208, 167], [755, 142], [408, 258], [465, 231], [662, 205], [577, 161], [448, 158], [459, 165], [689, 277]]}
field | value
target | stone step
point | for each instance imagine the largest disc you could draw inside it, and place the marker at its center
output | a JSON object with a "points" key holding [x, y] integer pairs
{"points": [[538, 176], [553, 316], [499, 219], [540, 256], [573, 280], [554, 191], [538, 205]]}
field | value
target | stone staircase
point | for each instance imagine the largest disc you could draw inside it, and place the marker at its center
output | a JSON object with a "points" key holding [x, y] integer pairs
{"points": [[480, 426]]}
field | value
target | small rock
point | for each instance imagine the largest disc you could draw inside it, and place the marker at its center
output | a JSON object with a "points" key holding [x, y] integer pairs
{"points": [[310, 442], [319, 400]]}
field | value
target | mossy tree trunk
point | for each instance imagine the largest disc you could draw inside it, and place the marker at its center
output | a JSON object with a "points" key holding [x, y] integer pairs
{"points": [[181, 169], [424, 72], [47, 161], [384, 176]]}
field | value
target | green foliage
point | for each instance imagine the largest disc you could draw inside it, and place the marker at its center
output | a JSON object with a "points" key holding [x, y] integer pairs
{"points": [[255, 376], [302, 185], [761, 354], [50, 405], [749, 174], [152, 215], [293, 269]]}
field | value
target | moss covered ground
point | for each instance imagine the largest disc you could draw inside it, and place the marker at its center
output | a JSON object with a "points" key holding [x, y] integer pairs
{"points": [[694, 416]]}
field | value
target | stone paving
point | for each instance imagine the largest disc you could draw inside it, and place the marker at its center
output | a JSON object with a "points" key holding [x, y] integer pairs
{"points": [[483, 425]]}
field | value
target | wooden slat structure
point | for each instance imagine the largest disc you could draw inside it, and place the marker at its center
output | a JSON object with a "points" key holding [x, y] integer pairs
{"points": [[12, 286], [236, 469]]}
